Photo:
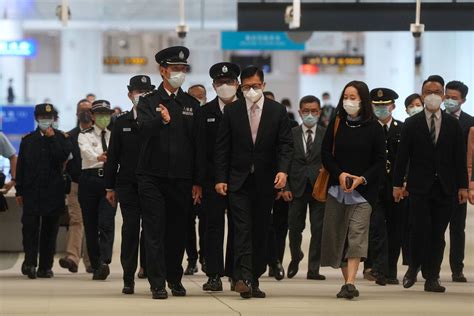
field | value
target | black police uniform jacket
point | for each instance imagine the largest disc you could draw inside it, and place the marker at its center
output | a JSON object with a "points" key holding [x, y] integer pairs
{"points": [[236, 154], [169, 150], [39, 173], [392, 141], [122, 154], [74, 166]]}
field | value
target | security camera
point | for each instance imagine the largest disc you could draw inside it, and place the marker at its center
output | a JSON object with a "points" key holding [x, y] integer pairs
{"points": [[182, 30], [293, 15], [417, 29]]}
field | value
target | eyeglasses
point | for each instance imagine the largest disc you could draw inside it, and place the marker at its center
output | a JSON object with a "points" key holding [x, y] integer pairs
{"points": [[254, 86], [313, 112]]}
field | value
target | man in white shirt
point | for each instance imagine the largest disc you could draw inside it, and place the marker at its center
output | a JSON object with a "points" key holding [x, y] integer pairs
{"points": [[97, 213]]}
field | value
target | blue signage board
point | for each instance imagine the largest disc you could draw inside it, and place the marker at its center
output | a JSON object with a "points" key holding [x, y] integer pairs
{"points": [[17, 121], [24, 48], [258, 41]]}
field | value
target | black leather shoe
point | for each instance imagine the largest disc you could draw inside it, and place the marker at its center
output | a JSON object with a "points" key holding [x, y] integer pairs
{"points": [[379, 278], [29, 271], [159, 294], [434, 286], [191, 269], [102, 273], [67, 263], [244, 287], [312, 275], [370, 275], [278, 271], [257, 293], [410, 278], [459, 277], [89, 270], [393, 281], [271, 274], [128, 288], [142, 274], [294, 266], [177, 289], [213, 284], [45, 274]]}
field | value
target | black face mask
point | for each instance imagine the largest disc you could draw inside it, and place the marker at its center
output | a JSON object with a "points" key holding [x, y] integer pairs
{"points": [[85, 117]]}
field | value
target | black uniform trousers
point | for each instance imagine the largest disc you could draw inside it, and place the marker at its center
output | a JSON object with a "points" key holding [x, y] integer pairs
{"points": [[164, 205], [278, 231], [429, 217], [131, 215], [39, 234], [457, 238], [215, 206], [297, 220], [99, 219], [191, 240], [251, 213]]}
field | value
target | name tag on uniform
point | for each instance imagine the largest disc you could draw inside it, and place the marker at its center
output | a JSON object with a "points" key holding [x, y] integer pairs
{"points": [[158, 109], [188, 111], [127, 129], [212, 119]]}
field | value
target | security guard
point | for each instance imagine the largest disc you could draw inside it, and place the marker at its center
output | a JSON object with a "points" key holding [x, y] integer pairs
{"points": [[40, 189], [167, 174], [97, 213], [385, 237], [120, 180], [225, 82]]}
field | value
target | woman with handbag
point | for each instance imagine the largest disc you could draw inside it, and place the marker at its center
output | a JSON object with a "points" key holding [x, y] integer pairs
{"points": [[353, 154]]}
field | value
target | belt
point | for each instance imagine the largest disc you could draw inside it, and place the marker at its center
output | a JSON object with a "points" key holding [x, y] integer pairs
{"points": [[96, 172]]}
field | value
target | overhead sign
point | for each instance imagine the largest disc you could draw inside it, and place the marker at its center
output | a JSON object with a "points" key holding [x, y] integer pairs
{"points": [[17, 121], [333, 60], [115, 60], [25, 48], [258, 41]]}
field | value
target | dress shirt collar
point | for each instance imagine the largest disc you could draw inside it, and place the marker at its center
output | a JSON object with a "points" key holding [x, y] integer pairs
{"points": [[222, 104], [134, 110], [305, 129], [437, 114], [389, 123], [98, 131]]}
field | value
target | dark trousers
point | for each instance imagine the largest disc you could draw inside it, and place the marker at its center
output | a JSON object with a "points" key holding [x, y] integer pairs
{"points": [[377, 257], [39, 235], [142, 250], [278, 231], [131, 214], [99, 219], [191, 240], [297, 220], [215, 206], [165, 205], [457, 238], [251, 211], [396, 220], [429, 216]]}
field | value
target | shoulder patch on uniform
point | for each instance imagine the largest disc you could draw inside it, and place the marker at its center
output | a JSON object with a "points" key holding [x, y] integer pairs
{"points": [[122, 114], [87, 130], [146, 94]]}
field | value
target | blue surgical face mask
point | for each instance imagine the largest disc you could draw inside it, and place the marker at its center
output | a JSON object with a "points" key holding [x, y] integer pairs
{"points": [[55, 125], [452, 106], [44, 124], [381, 112], [310, 120]]}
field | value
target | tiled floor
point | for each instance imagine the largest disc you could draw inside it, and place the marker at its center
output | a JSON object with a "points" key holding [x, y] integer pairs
{"points": [[76, 294]]}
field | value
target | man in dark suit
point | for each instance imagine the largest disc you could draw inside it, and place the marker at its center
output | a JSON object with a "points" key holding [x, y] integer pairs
{"points": [[225, 82], [328, 112], [433, 144], [304, 171], [253, 154], [456, 93], [167, 172]]}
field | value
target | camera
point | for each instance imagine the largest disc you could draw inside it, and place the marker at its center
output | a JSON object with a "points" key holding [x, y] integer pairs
{"points": [[417, 29], [182, 30]]}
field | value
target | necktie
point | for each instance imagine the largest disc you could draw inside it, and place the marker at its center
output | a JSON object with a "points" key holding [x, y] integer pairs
{"points": [[104, 143], [385, 129], [254, 121], [433, 129], [309, 143], [172, 96]]}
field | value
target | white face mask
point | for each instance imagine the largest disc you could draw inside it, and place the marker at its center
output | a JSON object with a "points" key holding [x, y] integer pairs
{"points": [[253, 95], [415, 110], [176, 79], [201, 102], [433, 102], [351, 107], [136, 98], [226, 92]]}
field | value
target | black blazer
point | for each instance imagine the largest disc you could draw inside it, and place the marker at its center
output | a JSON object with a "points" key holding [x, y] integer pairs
{"points": [[74, 166], [304, 171], [446, 160], [466, 121], [236, 153]]}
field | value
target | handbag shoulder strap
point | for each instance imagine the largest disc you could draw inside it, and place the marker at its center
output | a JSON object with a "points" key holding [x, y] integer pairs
{"points": [[336, 127]]}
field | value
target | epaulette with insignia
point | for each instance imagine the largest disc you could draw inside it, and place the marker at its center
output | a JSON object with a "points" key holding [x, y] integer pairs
{"points": [[123, 113], [87, 130], [151, 92]]}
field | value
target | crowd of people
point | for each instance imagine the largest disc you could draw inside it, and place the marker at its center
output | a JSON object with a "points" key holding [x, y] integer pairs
{"points": [[375, 187]]}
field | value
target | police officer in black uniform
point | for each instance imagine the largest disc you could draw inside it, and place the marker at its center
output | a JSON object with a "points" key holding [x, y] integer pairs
{"points": [[385, 237], [40, 189], [120, 180], [167, 174], [225, 82]]}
